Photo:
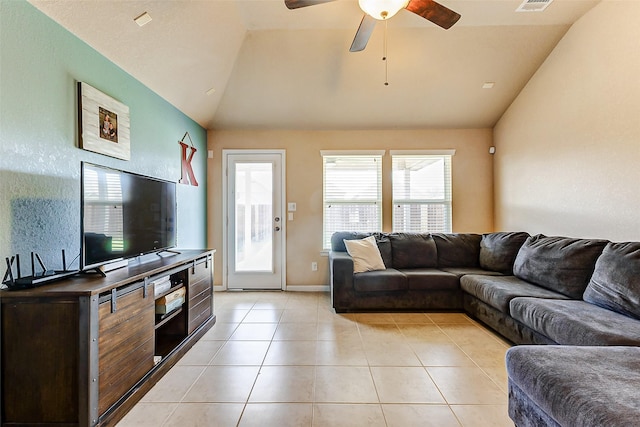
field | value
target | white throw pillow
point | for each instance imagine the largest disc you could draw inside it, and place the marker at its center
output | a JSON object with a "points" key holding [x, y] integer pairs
{"points": [[365, 254]]}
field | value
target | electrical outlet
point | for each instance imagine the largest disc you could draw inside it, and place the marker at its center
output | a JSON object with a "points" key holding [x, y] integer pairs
{"points": [[314, 266]]}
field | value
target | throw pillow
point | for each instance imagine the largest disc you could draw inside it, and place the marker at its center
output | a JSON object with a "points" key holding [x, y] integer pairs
{"points": [[365, 254], [615, 284], [338, 238], [382, 240]]}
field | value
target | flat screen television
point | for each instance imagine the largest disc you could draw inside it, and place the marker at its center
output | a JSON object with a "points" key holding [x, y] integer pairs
{"points": [[124, 215]]}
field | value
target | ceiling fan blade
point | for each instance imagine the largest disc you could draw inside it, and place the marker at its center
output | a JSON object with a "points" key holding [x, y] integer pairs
{"points": [[362, 35], [296, 4], [434, 12]]}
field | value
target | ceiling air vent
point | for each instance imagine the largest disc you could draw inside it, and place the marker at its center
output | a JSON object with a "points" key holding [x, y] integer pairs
{"points": [[533, 5]]}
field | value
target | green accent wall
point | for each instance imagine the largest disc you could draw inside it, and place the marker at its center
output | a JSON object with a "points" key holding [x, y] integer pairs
{"points": [[40, 64]]}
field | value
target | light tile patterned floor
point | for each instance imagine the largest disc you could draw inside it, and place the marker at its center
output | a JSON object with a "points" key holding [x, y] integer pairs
{"points": [[286, 359]]}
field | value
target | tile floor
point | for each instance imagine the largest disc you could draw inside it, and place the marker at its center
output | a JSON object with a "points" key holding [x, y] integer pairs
{"points": [[286, 359]]}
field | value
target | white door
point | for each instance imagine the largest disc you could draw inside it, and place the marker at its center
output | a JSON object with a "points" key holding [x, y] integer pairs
{"points": [[254, 229]]}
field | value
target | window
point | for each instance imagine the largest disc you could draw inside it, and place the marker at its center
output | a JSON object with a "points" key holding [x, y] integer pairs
{"points": [[422, 191], [352, 192]]}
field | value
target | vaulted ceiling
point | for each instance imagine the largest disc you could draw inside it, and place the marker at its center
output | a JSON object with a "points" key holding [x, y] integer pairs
{"points": [[274, 68]]}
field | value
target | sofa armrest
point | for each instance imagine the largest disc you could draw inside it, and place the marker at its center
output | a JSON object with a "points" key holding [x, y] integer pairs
{"points": [[341, 276]]}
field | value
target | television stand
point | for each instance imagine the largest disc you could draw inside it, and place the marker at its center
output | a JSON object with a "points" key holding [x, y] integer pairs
{"points": [[66, 345]]}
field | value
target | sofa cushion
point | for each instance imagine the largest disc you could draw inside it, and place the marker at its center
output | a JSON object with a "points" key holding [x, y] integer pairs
{"points": [[575, 386], [457, 250], [413, 250], [463, 271], [430, 279], [572, 322], [365, 254], [558, 263], [498, 251], [380, 281], [615, 283], [499, 291], [382, 239]]}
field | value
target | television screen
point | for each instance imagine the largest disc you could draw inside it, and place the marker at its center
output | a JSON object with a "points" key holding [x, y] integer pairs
{"points": [[124, 215]]}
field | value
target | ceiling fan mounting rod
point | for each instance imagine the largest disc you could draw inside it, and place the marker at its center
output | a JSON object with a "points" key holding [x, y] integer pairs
{"points": [[384, 56]]}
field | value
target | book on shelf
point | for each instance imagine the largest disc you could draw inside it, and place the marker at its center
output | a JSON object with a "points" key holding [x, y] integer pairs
{"points": [[169, 306], [161, 284], [178, 293]]}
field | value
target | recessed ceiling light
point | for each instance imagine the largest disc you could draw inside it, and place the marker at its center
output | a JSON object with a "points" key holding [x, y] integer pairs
{"points": [[143, 19], [211, 91], [488, 85]]}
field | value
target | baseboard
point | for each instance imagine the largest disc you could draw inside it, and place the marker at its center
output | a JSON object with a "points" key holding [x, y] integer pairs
{"points": [[312, 288], [290, 288]]}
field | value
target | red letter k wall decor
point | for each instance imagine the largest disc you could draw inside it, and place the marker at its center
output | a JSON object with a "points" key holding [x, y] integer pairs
{"points": [[188, 177]]}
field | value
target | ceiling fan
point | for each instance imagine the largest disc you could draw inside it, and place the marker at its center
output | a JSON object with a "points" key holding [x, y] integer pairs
{"points": [[381, 10]]}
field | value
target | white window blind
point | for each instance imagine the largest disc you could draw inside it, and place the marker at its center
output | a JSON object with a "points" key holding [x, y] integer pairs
{"points": [[352, 193], [421, 193]]}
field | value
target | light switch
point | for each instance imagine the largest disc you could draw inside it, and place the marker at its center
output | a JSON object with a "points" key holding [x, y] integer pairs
{"points": [[290, 216], [291, 207]]}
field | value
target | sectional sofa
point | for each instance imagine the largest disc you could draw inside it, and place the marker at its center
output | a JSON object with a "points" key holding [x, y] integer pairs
{"points": [[581, 297], [420, 271]]}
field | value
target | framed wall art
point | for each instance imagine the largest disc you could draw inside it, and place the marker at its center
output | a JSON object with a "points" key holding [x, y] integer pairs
{"points": [[104, 123]]}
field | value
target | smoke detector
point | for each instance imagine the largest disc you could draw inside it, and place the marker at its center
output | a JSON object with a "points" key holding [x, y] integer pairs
{"points": [[533, 5]]}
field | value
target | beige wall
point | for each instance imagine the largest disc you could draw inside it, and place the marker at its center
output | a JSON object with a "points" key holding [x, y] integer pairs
{"points": [[471, 169], [568, 148]]}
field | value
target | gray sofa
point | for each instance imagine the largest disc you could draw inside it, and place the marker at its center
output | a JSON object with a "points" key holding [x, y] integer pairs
{"points": [[530, 289], [574, 386], [592, 380], [422, 272], [581, 296], [563, 291]]}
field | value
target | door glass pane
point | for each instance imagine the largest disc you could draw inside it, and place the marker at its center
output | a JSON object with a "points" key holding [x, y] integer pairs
{"points": [[254, 217]]}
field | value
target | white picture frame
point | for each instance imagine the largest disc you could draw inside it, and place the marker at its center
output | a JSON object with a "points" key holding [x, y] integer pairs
{"points": [[104, 124]]}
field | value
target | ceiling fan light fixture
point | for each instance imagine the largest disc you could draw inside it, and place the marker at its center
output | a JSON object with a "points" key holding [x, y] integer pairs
{"points": [[382, 9]]}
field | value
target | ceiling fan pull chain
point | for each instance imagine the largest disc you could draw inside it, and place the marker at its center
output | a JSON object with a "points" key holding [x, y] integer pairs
{"points": [[384, 55]]}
